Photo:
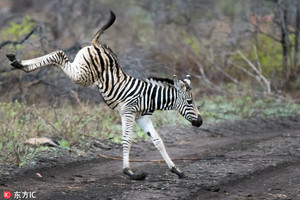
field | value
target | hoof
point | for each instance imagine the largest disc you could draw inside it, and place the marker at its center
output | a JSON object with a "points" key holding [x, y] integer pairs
{"points": [[14, 62], [17, 64], [139, 177], [11, 57], [178, 172], [133, 176]]}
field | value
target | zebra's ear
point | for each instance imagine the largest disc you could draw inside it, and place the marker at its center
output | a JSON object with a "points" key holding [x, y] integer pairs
{"points": [[187, 79], [176, 82], [187, 82]]}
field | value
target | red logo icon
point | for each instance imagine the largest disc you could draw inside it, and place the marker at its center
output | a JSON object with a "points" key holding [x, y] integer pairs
{"points": [[6, 194]]}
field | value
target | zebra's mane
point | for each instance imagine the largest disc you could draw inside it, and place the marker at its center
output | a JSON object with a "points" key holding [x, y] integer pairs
{"points": [[160, 81], [110, 51]]}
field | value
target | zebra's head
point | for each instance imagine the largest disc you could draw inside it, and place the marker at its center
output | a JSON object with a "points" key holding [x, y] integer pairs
{"points": [[185, 101]]}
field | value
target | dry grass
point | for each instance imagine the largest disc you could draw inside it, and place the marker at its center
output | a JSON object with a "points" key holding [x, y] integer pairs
{"points": [[68, 125], [71, 125]]}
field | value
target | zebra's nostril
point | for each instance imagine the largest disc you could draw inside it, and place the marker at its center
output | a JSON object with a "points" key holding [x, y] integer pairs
{"points": [[198, 122], [200, 119]]}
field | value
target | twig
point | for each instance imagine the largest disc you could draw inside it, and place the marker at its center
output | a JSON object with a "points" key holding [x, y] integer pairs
{"points": [[222, 71], [120, 159], [241, 68], [41, 116], [267, 34], [203, 75], [257, 59], [246, 71], [216, 157], [7, 70], [161, 160], [8, 42], [267, 83]]}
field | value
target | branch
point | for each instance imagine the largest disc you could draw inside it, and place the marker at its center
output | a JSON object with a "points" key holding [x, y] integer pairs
{"points": [[247, 72], [7, 70], [222, 71], [257, 59], [8, 42], [267, 83], [203, 75], [241, 68], [266, 34], [161, 160]]}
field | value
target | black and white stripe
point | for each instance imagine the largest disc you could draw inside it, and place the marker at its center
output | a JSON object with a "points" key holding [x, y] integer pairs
{"points": [[135, 99]]}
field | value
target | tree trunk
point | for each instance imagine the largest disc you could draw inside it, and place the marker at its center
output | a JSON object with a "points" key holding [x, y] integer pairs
{"points": [[297, 37], [284, 43]]}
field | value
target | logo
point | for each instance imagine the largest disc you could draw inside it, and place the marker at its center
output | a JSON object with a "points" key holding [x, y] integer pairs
{"points": [[6, 194]]}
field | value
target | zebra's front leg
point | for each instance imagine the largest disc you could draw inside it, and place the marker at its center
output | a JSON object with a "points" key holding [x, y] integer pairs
{"points": [[127, 125], [146, 124]]}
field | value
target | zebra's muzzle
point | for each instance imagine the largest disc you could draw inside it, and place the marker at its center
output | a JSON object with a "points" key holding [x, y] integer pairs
{"points": [[198, 122]]}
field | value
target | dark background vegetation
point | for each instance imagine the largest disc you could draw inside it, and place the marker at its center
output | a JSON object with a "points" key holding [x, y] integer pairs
{"points": [[229, 47]]}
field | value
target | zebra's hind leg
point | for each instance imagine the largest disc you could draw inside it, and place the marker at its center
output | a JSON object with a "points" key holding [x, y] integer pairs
{"points": [[57, 58], [14, 62], [127, 125], [146, 124]]}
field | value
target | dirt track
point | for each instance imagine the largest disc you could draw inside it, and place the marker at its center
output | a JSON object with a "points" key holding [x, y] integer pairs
{"points": [[248, 159]]}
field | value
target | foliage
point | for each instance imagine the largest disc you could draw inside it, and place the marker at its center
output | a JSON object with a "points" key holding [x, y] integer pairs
{"points": [[269, 54], [17, 30], [64, 144], [192, 43], [231, 8], [222, 109]]}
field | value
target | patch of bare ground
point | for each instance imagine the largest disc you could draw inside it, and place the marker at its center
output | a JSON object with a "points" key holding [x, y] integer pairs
{"points": [[246, 159]]}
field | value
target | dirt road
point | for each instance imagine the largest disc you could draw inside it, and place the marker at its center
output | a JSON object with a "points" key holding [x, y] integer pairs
{"points": [[248, 159]]}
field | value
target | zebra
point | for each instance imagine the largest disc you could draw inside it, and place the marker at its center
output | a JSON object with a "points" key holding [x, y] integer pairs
{"points": [[135, 99]]}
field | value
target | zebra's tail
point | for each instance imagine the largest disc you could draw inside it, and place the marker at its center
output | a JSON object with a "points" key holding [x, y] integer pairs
{"points": [[103, 28]]}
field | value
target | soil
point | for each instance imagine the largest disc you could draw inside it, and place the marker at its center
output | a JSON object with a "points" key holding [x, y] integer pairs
{"points": [[246, 159]]}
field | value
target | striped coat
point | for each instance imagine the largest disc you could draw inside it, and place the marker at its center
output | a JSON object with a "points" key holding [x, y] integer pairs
{"points": [[135, 99]]}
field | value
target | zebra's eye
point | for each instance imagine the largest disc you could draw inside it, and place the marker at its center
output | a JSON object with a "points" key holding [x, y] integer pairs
{"points": [[189, 101]]}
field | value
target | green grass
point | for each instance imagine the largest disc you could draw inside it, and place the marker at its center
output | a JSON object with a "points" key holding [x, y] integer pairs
{"points": [[70, 125], [222, 109]]}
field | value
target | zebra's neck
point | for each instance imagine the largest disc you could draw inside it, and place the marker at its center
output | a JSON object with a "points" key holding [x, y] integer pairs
{"points": [[162, 96]]}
